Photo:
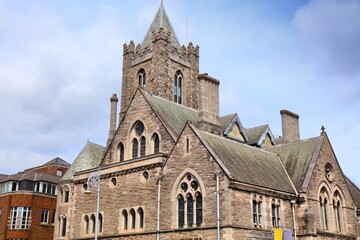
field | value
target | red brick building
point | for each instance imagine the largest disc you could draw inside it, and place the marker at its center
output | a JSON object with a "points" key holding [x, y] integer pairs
{"points": [[28, 201]]}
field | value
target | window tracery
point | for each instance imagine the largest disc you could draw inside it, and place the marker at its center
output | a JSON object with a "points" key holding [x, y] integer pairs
{"points": [[189, 203], [138, 137]]}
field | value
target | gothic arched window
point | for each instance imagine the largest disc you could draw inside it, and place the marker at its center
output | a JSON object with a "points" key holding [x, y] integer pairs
{"points": [[324, 205], [138, 137], [156, 143], [121, 152], [86, 224], [181, 217], [100, 222], [141, 217], [125, 219], [142, 146], [93, 223], [190, 203], [337, 211], [178, 86], [135, 148], [142, 78], [133, 218]]}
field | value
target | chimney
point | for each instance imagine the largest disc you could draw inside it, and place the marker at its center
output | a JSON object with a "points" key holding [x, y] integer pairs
{"points": [[209, 119], [290, 126], [113, 112]]}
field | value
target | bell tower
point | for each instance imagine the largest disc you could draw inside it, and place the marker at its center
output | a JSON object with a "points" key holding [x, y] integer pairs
{"points": [[161, 66]]}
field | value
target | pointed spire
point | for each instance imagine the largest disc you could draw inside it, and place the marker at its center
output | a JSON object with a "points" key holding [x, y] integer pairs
{"points": [[160, 20]]}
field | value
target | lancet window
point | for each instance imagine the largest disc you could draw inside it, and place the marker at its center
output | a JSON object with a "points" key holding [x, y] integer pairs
{"points": [[324, 209], [257, 211], [178, 87], [142, 78]]}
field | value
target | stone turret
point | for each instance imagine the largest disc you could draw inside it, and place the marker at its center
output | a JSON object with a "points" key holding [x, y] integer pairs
{"points": [[160, 56]]}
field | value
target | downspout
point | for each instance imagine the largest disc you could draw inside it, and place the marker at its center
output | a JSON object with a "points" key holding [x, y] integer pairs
{"points": [[159, 177], [293, 217], [217, 205]]}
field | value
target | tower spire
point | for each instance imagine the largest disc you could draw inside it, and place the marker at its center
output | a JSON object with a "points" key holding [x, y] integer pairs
{"points": [[161, 20]]}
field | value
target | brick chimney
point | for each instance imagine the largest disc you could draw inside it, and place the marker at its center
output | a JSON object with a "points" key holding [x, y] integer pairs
{"points": [[209, 119], [113, 111], [290, 126]]}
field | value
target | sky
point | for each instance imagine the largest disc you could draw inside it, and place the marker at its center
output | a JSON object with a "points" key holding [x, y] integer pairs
{"points": [[61, 60]]}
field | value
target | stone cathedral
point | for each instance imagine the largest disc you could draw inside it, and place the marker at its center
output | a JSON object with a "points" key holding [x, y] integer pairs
{"points": [[173, 168]]}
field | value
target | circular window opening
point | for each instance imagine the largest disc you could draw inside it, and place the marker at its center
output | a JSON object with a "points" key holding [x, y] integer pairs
{"points": [[139, 128]]}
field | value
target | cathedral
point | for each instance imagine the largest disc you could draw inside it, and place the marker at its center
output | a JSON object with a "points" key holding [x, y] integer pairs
{"points": [[173, 168]]}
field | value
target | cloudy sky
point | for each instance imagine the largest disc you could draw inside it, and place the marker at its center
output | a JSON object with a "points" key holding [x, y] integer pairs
{"points": [[61, 60]]}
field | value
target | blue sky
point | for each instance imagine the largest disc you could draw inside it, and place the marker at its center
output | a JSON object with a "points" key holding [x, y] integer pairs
{"points": [[60, 61]]}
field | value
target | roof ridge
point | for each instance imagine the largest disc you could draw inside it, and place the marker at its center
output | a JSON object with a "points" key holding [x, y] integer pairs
{"points": [[237, 142], [296, 142]]}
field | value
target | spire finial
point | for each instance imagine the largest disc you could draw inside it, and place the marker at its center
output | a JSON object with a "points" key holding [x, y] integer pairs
{"points": [[322, 129]]}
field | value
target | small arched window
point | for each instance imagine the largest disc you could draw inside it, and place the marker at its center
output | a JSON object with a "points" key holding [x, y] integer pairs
{"points": [[125, 219], [323, 201], [141, 217], [156, 143], [142, 146], [178, 86], [181, 211], [100, 222], [142, 78], [133, 218], [337, 211], [93, 223], [135, 146], [121, 152], [86, 224], [198, 209]]}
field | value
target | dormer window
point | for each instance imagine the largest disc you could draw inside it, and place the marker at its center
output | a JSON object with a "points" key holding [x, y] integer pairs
{"points": [[142, 78], [177, 86]]}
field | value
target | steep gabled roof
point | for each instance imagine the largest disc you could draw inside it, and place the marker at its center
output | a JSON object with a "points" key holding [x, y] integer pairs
{"points": [[226, 120], [298, 157], [161, 20], [257, 134], [173, 115], [354, 190], [89, 157], [249, 165]]}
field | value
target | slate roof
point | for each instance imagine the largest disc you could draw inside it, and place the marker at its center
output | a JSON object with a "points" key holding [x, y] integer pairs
{"points": [[89, 157], [226, 120], [58, 161], [297, 158], [32, 176], [354, 190], [254, 134], [174, 115], [161, 20], [250, 165]]}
